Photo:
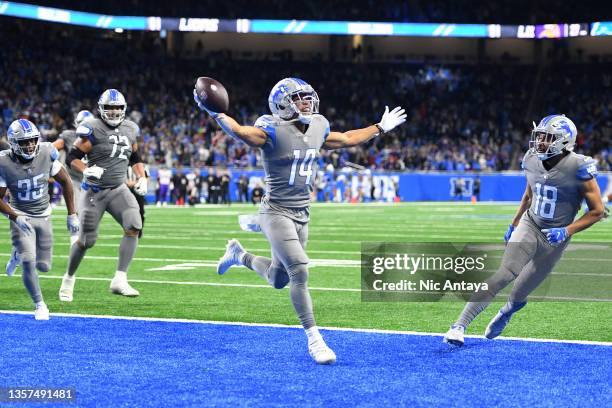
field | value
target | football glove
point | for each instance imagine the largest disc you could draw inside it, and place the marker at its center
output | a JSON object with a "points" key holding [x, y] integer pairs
{"points": [[249, 222], [72, 223], [556, 236], [508, 233], [141, 187], [390, 120], [23, 224], [200, 104], [93, 172]]}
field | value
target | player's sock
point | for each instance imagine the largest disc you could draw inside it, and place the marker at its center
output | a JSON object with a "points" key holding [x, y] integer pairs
{"points": [[300, 296], [30, 280], [259, 264], [127, 249], [313, 334], [74, 260], [470, 311]]}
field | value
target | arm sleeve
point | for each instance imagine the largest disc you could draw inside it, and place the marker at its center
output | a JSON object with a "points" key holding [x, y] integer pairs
{"points": [[587, 170], [56, 166], [266, 124]]}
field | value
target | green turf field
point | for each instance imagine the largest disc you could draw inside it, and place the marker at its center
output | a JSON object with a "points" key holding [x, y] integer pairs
{"points": [[174, 270]]}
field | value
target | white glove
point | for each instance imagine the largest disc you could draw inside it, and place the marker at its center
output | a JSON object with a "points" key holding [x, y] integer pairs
{"points": [[73, 224], [249, 222], [93, 172], [141, 186], [390, 120], [23, 224]]}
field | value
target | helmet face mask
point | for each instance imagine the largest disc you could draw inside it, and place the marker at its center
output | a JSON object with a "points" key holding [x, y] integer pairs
{"points": [[293, 98], [112, 107], [24, 139], [552, 136]]}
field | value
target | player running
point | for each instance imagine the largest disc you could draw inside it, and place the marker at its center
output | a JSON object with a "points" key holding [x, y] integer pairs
{"points": [[110, 144], [290, 140], [557, 181], [24, 171]]}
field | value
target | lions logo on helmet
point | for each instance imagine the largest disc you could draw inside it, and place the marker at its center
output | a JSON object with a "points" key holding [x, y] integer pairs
{"points": [[112, 107], [24, 138], [293, 98], [552, 135], [81, 116]]}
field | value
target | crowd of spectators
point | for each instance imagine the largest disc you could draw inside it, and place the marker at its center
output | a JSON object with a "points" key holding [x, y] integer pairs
{"points": [[460, 117], [457, 11]]}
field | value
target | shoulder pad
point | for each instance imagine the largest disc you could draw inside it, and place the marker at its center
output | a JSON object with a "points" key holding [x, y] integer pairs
{"points": [[267, 123]]}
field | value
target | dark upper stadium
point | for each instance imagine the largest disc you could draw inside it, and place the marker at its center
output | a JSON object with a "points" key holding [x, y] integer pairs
{"points": [[458, 11], [468, 116]]}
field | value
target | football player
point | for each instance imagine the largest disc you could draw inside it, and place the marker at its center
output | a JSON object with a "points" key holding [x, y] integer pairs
{"points": [[557, 181], [65, 141], [290, 140], [24, 171], [110, 144]]}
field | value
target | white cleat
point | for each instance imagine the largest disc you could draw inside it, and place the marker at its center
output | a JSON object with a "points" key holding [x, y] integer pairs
{"points": [[41, 312], [454, 335], [231, 257], [67, 288], [123, 288], [322, 354], [12, 263]]}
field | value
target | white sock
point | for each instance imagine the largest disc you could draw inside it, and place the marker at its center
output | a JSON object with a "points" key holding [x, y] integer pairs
{"points": [[120, 275], [68, 277], [313, 334], [40, 304]]}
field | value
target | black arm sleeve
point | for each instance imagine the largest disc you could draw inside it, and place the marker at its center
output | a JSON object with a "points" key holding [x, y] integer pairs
{"points": [[135, 158], [74, 154]]}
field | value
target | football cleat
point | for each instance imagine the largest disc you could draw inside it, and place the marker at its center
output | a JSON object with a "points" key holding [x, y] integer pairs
{"points": [[454, 335], [232, 255], [67, 288], [41, 312], [12, 263], [497, 325], [322, 354], [123, 288]]}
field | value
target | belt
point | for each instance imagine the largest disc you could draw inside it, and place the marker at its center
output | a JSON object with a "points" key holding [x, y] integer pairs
{"points": [[85, 186]]}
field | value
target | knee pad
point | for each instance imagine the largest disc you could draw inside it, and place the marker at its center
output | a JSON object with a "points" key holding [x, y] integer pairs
{"points": [[88, 239], [298, 273], [43, 266], [278, 277], [131, 219]]}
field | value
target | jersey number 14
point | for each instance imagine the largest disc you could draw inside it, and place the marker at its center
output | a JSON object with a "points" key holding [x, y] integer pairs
{"points": [[546, 201], [305, 168]]}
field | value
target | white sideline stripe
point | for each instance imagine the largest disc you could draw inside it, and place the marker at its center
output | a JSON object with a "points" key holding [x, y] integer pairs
{"points": [[287, 326], [260, 286]]}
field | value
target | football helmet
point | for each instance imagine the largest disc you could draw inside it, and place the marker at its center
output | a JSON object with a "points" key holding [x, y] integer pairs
{"points": [[24, 138], [293, 98], [552, 135], [112, 107], [81, 116]]}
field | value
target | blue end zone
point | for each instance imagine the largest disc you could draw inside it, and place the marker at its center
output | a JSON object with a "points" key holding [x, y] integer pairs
{"points": [[149, 363]]}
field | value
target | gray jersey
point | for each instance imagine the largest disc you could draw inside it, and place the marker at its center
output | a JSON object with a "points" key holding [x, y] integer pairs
{"points": [[112, 148], [28, 182], [556, 194], [69, 136], [290, 160]]}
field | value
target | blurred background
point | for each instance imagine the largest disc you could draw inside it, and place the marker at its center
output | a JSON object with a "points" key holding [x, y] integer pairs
{"points": [[472, 75]]}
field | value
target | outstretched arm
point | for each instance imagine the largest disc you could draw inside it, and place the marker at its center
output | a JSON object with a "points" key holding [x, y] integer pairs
{"points": [[250, 135], [389, 120]]}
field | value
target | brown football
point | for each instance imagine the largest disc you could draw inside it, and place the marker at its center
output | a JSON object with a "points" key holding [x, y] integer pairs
{"points": [[212, 94]]}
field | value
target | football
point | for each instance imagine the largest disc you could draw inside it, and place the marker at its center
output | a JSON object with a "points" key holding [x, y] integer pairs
{"points": [[213, 94]]}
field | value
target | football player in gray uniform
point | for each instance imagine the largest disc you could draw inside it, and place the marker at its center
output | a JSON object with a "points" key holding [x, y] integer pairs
{"points": [[64, 143], [24, 171], [290, 140], [557, 181], [110, 144]]}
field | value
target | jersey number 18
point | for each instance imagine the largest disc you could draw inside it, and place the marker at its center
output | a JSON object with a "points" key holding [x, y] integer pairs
{"points": [[546, 201]]}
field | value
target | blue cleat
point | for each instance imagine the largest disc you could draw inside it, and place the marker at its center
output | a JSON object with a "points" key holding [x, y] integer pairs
{"points": [[498, 323]]}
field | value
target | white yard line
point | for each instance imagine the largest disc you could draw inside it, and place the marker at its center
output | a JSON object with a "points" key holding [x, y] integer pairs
{"points": [[282, 326]]}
